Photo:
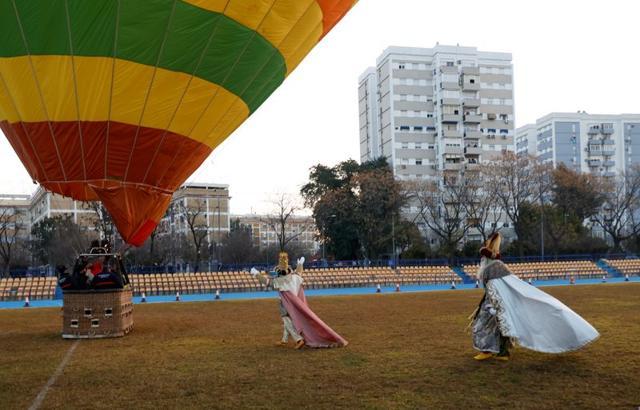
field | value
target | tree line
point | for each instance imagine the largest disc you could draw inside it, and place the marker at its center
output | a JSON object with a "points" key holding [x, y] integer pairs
{"points": [[361, 211]]}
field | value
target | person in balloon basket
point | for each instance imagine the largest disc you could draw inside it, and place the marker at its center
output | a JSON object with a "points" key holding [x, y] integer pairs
{"points": [[512, 312], [299, 321]]}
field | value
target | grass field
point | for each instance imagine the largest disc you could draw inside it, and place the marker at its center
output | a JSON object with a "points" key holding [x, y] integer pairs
{"points": [[405, 351]]}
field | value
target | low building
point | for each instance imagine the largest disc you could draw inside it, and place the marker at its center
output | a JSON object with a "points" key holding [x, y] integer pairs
{"points": [[301, 229]]}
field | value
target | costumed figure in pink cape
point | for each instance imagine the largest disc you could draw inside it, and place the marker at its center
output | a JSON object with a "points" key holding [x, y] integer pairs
{"points": [[299, 321]]}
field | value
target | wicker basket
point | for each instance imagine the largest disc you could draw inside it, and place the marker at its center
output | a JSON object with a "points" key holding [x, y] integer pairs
{"points": [[92, 314]]}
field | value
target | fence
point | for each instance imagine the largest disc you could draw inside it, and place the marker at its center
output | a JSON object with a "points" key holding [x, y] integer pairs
{"points": [[214, 267]]}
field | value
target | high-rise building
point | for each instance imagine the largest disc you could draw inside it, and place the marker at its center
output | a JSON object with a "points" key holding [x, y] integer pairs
{"points": [[446, 108], [603, 145]]}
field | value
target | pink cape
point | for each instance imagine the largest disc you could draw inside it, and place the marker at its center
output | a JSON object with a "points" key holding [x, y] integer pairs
{"points": [[314, 331]]}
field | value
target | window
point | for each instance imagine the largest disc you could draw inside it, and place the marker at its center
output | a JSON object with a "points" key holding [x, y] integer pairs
{"points": [[405, 145], [472, 81], [418, 145], [419, 129], [404, 128], [418, 162], [506, 224]]}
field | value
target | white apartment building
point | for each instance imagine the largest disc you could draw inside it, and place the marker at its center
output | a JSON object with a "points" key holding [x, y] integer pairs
{"points": [[446, 108], [205, 205], [603, 145], [526, 140], [301, 228], [431, 111]]}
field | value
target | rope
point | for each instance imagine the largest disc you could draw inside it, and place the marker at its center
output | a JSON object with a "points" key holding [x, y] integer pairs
{"points": [[113, 74], [146, 98], [195, 70], [35, 79]]}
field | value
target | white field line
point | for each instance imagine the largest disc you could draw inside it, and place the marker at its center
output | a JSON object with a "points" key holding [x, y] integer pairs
{"points": [[40, 397]]}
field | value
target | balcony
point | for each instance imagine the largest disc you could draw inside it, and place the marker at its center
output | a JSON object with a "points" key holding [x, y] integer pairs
{"points": [[472, 135], [607, 130], [471, 102], [452, 134], [471, 70], [450, 101], [594, 162], [472, 167], [608, 141], [453, 151], [473, 118], [448, 69], [593, 130], [608, 152], [473, 150], [609, 174], [466, 86], [452, 166], [450, 86], [491, 116], [609, 163], [451, 118]]}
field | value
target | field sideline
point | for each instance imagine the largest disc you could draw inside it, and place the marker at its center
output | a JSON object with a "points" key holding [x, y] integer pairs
{"points": [[406, 351]]}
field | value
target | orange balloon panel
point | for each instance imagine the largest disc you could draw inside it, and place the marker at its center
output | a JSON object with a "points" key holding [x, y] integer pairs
{"points": [[122, 101]]}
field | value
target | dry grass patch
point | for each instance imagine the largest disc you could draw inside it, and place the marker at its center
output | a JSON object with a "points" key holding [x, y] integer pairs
{"points": [[406, 351]]}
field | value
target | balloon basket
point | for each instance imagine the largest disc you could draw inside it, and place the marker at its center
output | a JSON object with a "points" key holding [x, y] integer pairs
{"points": [[96, 314]]}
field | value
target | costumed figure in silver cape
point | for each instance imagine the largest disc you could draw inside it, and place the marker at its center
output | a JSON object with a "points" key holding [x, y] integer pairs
{"points": [[513, 311]]}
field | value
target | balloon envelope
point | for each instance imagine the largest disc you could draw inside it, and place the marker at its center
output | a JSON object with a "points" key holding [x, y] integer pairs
{"points": [[121, 100]]}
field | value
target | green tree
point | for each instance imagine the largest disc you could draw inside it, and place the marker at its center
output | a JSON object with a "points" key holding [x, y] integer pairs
{"points": [[576, 193], [354, 207]]}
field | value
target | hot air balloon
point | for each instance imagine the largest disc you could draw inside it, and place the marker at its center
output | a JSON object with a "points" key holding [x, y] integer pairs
{"points": [[121, 100]]}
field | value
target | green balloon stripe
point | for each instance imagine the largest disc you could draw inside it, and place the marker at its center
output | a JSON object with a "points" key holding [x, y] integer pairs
{"points": [[230, 54]]}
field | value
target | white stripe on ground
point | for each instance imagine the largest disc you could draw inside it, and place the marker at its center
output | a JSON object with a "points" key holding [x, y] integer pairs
{"points": [[40, 397]]}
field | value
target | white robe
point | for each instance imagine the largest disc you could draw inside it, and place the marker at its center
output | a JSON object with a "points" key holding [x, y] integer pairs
{"points": [[535, 319]]}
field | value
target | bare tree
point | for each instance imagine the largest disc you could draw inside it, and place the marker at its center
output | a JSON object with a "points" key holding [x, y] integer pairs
{"points": [[442, 208], [11, 226], [619, 215], [195, 219], [103, 223], [281, 220], [515, 184], [481, 204]]}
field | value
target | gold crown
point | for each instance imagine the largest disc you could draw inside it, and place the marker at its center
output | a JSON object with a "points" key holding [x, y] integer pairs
{"points": [[491, 247], [283, 261]]}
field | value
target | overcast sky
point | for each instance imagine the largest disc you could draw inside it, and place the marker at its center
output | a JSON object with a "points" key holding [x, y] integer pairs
{"points": [[568, 56]]}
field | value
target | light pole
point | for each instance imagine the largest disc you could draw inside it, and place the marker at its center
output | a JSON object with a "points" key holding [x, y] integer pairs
{"points": [[218, 238], [393, 238]]}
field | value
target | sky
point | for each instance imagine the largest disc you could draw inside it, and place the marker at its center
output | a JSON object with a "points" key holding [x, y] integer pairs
{"points": [[568, 56]]}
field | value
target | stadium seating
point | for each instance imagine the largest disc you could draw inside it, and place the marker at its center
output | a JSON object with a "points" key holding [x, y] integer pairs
{"points": [[548, 270], [32, 287], [629, 267], [340, 277]]}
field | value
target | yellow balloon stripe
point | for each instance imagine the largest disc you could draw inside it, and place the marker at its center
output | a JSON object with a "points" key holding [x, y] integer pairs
{"points": [[289, 25], [176, 101]]}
